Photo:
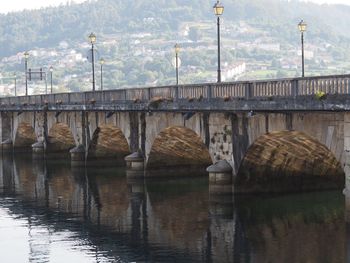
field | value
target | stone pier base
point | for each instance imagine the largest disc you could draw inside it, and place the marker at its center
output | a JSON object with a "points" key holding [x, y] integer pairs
{"points": [[220, 178], [134, 174], [7, 145], [135, 181], [38, 148], [135, 161], [77, 155], [221, 206]]}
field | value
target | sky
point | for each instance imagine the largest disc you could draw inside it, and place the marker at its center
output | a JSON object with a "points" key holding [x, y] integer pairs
{"points": [[345, 2], [17, 5]]}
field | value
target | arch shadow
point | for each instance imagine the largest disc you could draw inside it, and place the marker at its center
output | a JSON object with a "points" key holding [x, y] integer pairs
{"points": [[108, 144], [288, 161], [24, 137], [60, 139], [178, 147]]}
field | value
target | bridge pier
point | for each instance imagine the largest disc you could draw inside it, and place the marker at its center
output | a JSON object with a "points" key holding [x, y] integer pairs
{"points": [[220, 178], [6, 125], [347, 153], [221, 233], [38, 147], [78, 155], [135, 161], [134, 175], [221, 120], [7, 146]]}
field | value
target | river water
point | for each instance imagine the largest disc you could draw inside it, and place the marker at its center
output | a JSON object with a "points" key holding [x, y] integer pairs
{"points": [[52, 212]]}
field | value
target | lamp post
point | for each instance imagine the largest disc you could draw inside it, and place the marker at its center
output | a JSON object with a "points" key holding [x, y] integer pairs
{"points": [[102, 62], [15, 77], [218, 11], [51, 71], [26, 56], [302, 28], [92, 38], [177, 50]]}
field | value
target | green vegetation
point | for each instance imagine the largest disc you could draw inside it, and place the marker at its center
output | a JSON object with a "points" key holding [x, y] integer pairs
{"points": [[136, 38]]}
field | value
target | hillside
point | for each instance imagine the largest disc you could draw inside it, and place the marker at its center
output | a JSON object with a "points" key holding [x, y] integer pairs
{"points": [[46, 27], [137, 36]]}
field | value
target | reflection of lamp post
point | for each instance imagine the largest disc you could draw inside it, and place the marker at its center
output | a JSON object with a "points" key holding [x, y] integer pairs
{"points": [[177, 50], [26, 56], [15, 76], [218, 11], [302, 28], [51, 71], [102, 61], [92, 38]]}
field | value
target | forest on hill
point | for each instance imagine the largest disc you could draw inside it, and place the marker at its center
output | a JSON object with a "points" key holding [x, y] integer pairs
{"points": [[72, 22], [260, 40]]}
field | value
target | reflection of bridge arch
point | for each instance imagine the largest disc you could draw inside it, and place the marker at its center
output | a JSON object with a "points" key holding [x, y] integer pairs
{"points": [[276, 156], [24, 136], [60, 138], [108, 141], [178, 146]]}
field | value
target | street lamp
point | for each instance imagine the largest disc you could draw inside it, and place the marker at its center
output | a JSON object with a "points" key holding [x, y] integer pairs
{"points": [[218, 11], [177, 50], [92, 38], [302, 28], [102, 61], [26, 56], [15, 77], [51, 71]]}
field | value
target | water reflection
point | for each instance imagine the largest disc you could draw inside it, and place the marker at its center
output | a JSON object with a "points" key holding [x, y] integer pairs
{"points": [[110, 215]]}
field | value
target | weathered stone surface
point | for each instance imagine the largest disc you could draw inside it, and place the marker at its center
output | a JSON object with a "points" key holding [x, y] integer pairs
{"points": [[38, 144], [7, 145], [8, 141], [25, 136], [220, 189], [135, 161], [77, 155], [38, 147], [220, 178], [178, 146], [108, 142], [179, 133], [79, 149], [134, 174], [288, 161], [136, 156], [220, 167], [60, 138]]}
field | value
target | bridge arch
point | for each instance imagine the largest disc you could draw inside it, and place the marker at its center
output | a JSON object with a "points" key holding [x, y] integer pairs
{"points": [[178, 146], [60, 138], [24, 135], [285, 160], [108, 141]]}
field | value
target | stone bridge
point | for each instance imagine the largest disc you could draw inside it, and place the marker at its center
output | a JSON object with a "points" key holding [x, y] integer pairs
{"points": [[288, 122]]}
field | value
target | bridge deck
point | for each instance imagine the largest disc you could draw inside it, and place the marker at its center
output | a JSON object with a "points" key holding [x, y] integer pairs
{"points": [[274, 95]]}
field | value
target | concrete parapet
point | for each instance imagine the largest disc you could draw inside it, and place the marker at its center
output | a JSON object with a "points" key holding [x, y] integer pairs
{"points": [[135, 161]]}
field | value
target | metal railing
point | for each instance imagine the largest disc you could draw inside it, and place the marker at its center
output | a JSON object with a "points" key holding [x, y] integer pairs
{"points": [[337, 84]]}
